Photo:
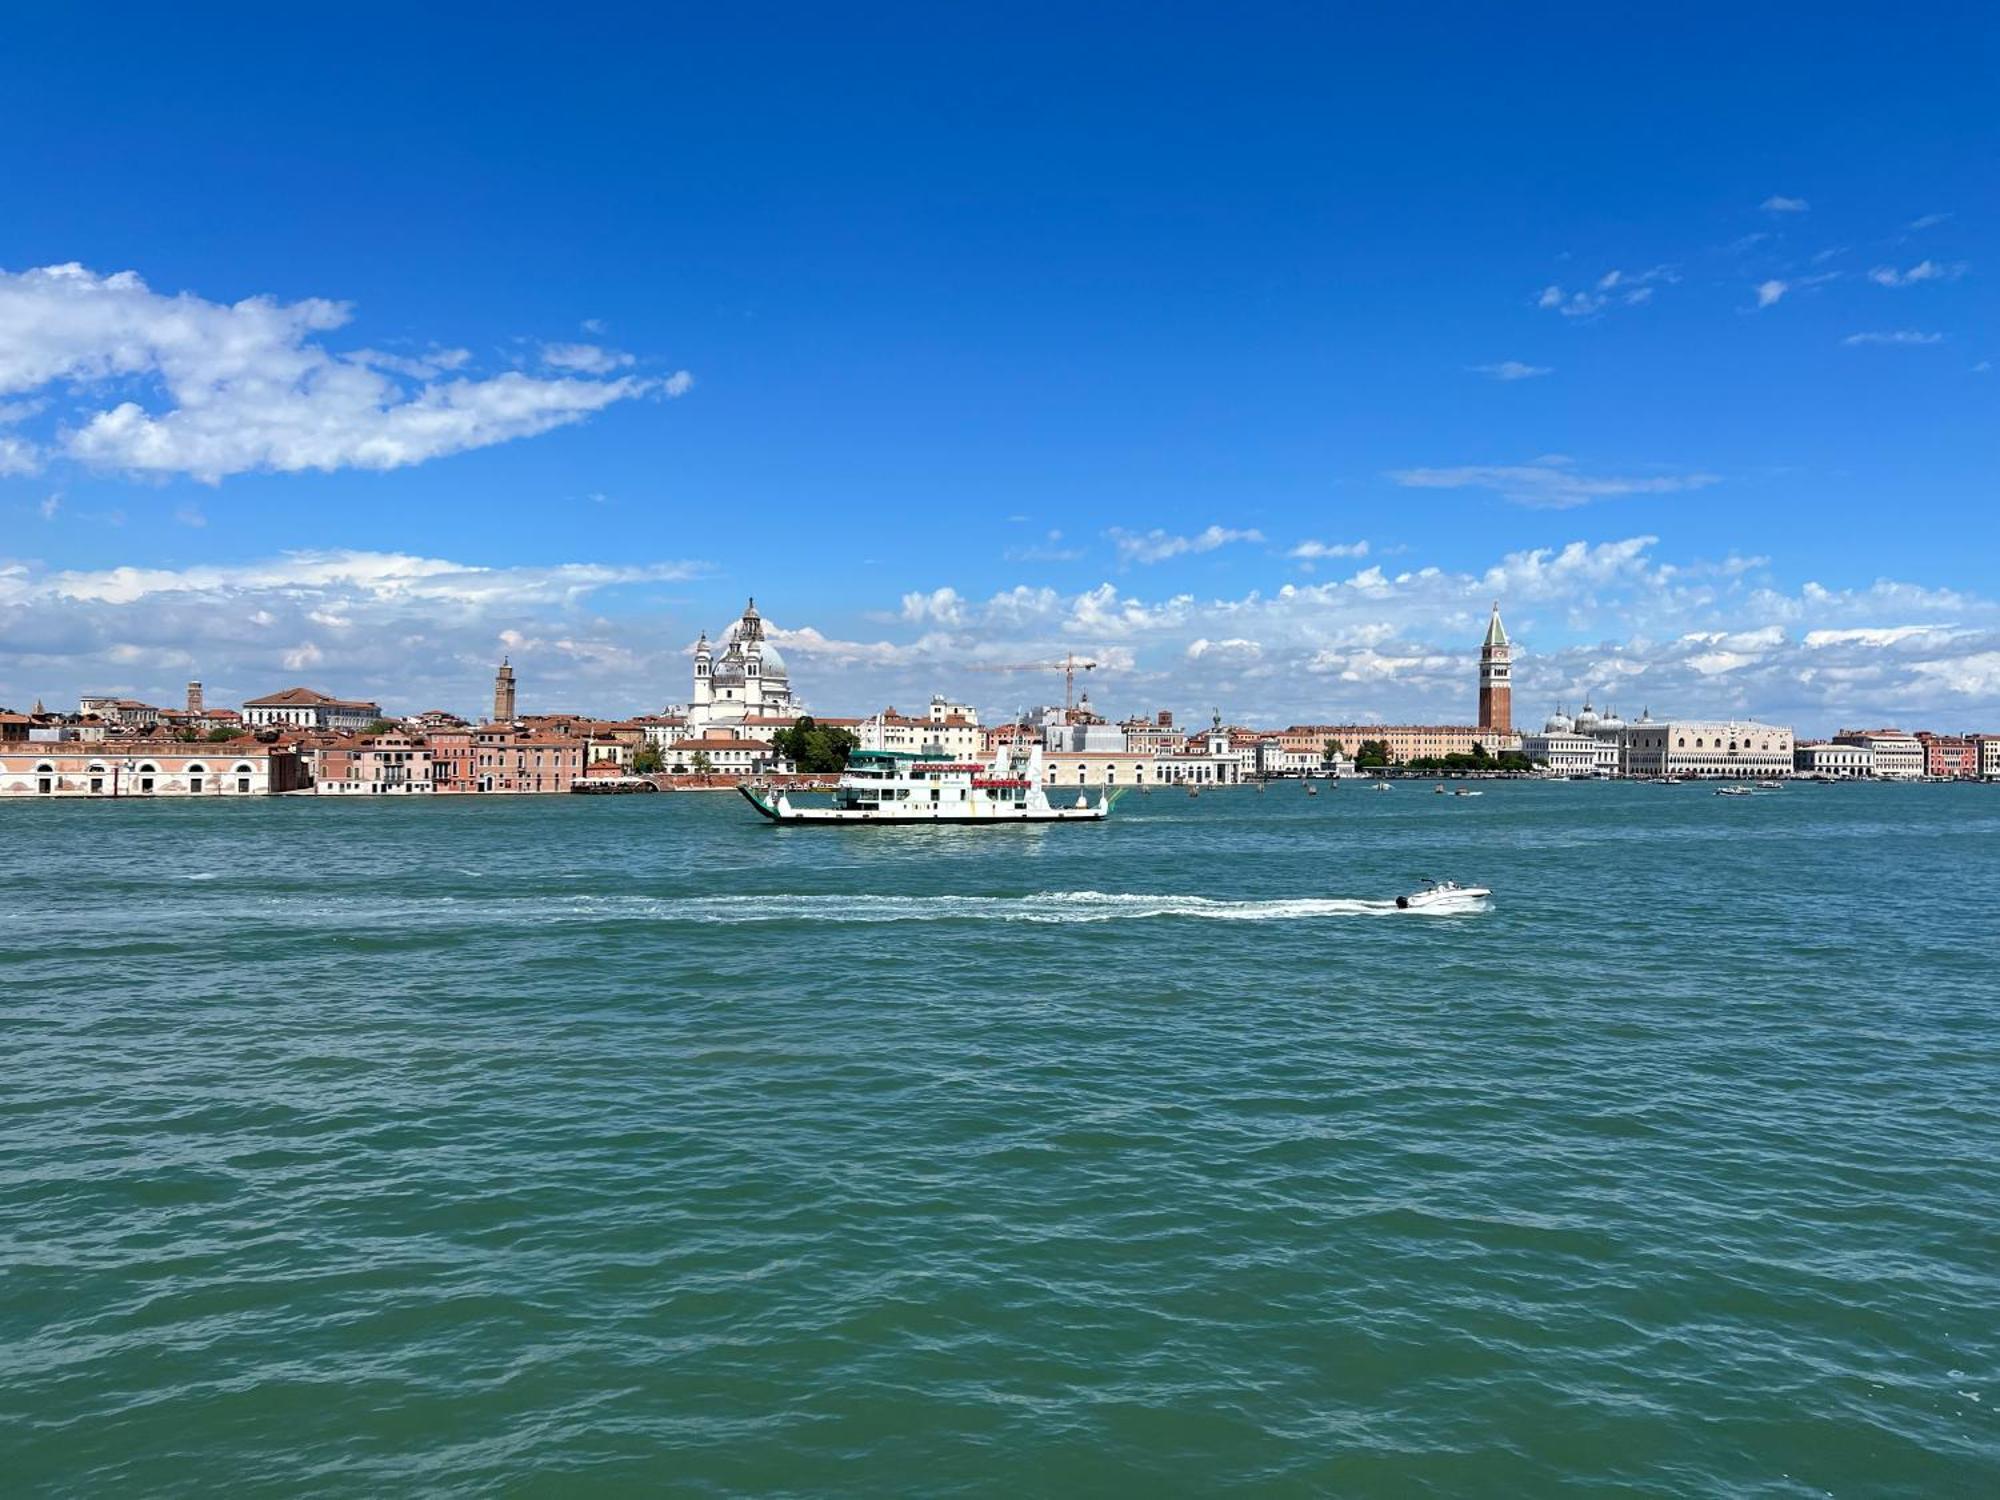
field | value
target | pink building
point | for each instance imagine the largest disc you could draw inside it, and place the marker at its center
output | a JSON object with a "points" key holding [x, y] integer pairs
{"points": [[1950, 755], [379, 764]]}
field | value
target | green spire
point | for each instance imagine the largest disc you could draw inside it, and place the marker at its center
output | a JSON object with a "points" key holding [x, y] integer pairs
{"points": [[1496, 633]]}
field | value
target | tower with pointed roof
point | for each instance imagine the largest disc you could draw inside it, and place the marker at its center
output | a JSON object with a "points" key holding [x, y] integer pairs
{"points": [[1496, 683]]}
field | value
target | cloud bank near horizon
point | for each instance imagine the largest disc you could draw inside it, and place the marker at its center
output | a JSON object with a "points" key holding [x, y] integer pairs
{"points": [[1610, 620]]}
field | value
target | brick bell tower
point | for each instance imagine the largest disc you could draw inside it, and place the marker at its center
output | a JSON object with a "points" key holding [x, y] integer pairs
{"points": [[1496, 684]]}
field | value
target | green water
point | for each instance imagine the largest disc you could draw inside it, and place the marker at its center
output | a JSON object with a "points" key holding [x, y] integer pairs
{"points": [[629, 1145]]}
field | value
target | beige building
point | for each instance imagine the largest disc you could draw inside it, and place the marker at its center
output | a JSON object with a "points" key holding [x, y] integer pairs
{"points": [[1740, 748], [142, 768], [1897, 756]]}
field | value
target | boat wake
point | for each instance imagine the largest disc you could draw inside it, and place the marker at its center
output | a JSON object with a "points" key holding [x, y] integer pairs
{"points": [[1042, 907]]}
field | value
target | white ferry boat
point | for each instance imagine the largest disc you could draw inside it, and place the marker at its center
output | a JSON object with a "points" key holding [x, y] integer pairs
{"points": [[898, 786]]}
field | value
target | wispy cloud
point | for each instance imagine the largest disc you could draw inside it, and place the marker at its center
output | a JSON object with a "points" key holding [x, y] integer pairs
{"points": [[1049, 549], [1769, 292], [1314, 551], [1922, 271], [1629, 288], [589, 359], [253, 385], [1930, 221], [1896, 336], [1512, 369], [1157, 546], [1778, 203], [1551, 483], [190, 515]]}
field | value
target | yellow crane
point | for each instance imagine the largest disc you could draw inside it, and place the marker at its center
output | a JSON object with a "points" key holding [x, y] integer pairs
{"points": [[1069, 665]]}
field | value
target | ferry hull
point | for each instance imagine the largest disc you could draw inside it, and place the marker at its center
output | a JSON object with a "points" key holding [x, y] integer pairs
{"points": [[826, 817]]}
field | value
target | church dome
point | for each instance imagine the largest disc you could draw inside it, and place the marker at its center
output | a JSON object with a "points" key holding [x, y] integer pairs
{"points": [[1588, 719], [1558, 722], [774, 662], [1610, 720]]}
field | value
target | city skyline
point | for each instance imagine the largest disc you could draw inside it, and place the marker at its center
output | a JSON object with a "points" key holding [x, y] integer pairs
{"points": [[1260, 404]]}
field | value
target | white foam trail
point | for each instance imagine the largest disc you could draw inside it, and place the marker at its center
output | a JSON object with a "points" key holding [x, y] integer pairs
{"points": [[202, 875], [1044, 907]]}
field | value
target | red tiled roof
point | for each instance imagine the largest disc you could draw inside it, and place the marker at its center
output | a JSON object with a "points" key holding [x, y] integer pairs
{"points": [[305, 697]]}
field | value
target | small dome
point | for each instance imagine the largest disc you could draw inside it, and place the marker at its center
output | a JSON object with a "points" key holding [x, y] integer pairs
{"points": [[774, 662], [1559, 722], [1588, 719]]}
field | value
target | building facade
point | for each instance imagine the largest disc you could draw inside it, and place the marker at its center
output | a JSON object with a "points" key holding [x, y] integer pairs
{"points": [[383, 764], [303, 708], [1736, 748], [1950, 757], [1897, 756], [1833, 762], [143, 768]]}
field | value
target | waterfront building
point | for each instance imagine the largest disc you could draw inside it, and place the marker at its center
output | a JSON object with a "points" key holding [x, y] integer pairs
{"points": [[1405, 741], [304, 708], [148, 768], [1564, 750], [380, 764], [723, 754], [1897, 756], [508, 758], [1949, 757], [1100, 768], [503, 693], [1740, 748], [747, 680], [1154, 734], [1989, 755], [950, 729], [1496, 684], [1833, 761]]}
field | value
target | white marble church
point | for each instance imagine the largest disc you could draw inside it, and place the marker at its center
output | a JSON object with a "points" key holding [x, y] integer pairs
{"points": [[747, 681]]}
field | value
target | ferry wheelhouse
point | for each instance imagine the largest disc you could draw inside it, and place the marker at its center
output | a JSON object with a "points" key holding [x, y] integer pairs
{"points": [[900, 786]]}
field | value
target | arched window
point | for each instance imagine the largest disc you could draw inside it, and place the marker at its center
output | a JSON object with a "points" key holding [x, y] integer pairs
{"points": [[147, 771], [45, 778], [197, 775]]}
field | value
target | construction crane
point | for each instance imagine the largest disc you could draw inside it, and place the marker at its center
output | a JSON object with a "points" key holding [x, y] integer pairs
{"points": [[1069, 666]]}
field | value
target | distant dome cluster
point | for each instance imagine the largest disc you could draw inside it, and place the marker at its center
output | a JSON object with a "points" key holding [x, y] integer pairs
{"points": [[1589, 721]]}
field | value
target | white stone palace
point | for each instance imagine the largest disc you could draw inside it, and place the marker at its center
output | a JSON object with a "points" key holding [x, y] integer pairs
{"points": [[748, 681]]}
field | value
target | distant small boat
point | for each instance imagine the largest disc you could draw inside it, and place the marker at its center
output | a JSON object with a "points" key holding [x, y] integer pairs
{"points": [[1439, 789], [1383, 786], [1771, 786], [1732, 791], [1466, 791]]}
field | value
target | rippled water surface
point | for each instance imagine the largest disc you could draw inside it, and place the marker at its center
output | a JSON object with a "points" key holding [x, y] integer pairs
{"points": [[577, 1145]]}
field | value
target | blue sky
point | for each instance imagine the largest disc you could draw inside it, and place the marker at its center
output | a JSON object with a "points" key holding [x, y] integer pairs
{"points": [[1250, 353]]}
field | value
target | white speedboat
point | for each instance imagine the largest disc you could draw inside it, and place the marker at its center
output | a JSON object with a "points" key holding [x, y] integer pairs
{"points": [[897, 786], [1383, 786], [1436, 893], [1733, 791], [1770, 786]]}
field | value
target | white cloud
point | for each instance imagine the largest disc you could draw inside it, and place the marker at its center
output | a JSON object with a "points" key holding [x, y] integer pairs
{"points": [[1769, 292], [214, 389], [1929, 221], [1922, 271], [1157, 546], [1686, 635], [1777, 203], [942, 605], [190, 515], [1898, 336], [1314, 551], [677, 384], [48, 506], [18, 456], [1512, 369], [1049, 549], [1548, 483], [588, 359], [1631, 288]]}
